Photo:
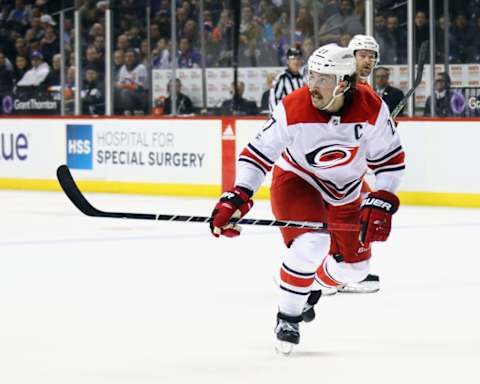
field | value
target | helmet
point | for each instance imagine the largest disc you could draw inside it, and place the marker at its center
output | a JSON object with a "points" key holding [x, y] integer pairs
{"points": [[333, 60], [293, 52], [365, 42]]}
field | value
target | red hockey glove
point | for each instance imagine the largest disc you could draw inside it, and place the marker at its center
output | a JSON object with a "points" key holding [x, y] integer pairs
{"points": [[376, 216], [234, 203]]}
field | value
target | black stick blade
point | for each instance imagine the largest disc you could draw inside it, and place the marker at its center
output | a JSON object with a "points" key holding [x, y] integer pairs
{"points": [[70, 188]]}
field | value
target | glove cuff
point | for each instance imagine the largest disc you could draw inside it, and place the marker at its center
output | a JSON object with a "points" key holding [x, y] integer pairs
{"points": [[236, 197]]}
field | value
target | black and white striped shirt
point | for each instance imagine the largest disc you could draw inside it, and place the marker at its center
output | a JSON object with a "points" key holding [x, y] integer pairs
{"points": [[285, 83]]}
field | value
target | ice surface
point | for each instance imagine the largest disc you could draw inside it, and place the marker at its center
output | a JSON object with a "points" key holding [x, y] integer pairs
{"points": [[91, 300]]}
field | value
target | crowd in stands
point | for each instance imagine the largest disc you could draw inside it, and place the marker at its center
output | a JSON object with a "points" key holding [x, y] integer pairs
{"points": [[30, 41]]}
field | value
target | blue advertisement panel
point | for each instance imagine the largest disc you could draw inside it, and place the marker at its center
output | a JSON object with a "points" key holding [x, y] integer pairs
{"points": [[79, 146]]}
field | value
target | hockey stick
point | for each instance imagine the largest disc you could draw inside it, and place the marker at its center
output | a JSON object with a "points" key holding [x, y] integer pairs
{"points": [[422, 57], [70, 188]]}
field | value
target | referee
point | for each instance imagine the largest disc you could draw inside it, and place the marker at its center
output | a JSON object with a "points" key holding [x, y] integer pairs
{"points": [[287, 81]]}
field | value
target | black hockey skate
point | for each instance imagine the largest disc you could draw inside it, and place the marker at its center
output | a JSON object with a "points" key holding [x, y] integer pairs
{"points": [[287, 331], [308, 313]]}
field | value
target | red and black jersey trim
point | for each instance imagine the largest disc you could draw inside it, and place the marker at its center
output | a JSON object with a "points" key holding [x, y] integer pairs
{"points": [[245, 160], [329, 188], [393, 161], [393, 169], [253, 156], [385, 157], [260, 154]]}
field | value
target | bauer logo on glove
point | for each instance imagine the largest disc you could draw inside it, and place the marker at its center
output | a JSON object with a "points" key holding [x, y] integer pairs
{"points": [[376, 216]]}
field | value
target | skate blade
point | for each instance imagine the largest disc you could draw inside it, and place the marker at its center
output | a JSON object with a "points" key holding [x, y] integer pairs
{"points": [[359, 288], [329, 292], [284, 347]]}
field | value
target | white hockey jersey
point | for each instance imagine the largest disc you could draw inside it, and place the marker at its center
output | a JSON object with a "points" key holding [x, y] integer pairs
{"points": [[331, 152]]}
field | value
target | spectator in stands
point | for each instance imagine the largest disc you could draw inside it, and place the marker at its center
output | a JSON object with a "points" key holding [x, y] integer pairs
{"points": [[8, 63], [190, 10], [7, 45], [184, 103], [95, 31], [70, 79], [190, 31], [36, 76], [36, 29], [6, 78], [49, 44], [421, 29], [68, 28], [21, 47], [134, 36], [385, 40], [391, 95], [440, 40], [92, 59], [345, 21], [90, 13], [47, 21], [118, 61], [266, 95], [304, 23], [155, 34], [255, 53], [187, 57], [462, 45], [344, 40], [270, 16], [54, 78], [163, 21], [122, 43], [400, 37], [308, 47], [144, 53], [21, 67], [131, 88], [92, 93], [207, 21], [222, 36], [99, 44], [242, 106], [443, 97], [19, 16], [161, 54]]}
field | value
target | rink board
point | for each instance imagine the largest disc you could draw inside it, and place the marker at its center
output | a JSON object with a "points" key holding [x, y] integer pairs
{"points": [[194, 156]]}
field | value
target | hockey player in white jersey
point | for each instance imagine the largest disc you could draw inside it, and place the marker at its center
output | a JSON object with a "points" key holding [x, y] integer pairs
{"points": [[320, 141], [367, 54]]}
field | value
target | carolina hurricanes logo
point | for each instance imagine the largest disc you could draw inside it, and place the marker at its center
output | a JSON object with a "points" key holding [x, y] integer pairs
{"points": [[331, 156]]}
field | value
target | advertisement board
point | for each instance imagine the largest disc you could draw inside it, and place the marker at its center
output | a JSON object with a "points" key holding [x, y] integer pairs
{"points": [[164, 151], [180, 151], [30, 148]]}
